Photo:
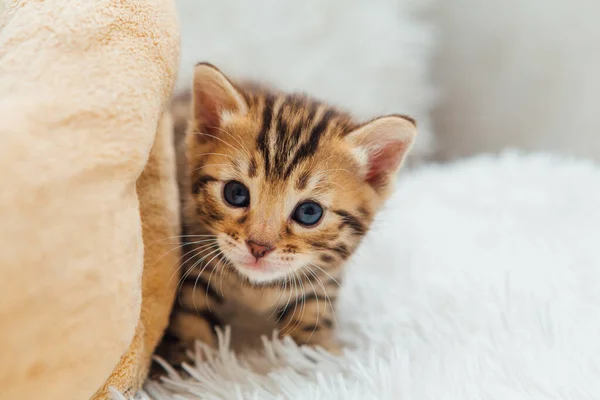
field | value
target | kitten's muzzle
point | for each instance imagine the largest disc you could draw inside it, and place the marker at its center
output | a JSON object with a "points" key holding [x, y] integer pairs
{"points": [[259, 250]]}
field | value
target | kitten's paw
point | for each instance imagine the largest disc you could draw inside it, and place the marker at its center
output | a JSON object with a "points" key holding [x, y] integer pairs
{"points": [[173, 351]]}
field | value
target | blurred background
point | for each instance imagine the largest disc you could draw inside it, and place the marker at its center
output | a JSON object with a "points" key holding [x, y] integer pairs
{"points": [[480, 76]]}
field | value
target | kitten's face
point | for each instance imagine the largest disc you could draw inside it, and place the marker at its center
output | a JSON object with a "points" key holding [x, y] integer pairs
{"points": [[287, 185]]}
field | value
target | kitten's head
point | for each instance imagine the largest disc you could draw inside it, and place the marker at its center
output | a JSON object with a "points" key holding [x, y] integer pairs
{"points": [[286, 183]]}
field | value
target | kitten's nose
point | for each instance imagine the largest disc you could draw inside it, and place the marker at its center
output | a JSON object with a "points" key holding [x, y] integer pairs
{"points": [[259, 250]]}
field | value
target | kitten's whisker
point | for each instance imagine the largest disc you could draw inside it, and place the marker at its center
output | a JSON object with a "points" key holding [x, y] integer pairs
{"points": [[197, 251], [283, 285], [288, 300], [222, 272], [291, 318], [184, 277], [189, 271], [318, 306], [180, 265], [173, 249], [323, 171], [198, 277], [177, 288], [184, 243], [299, 296], [303, 307], [320, 282], [240, 152], [325, 272], [319, 162], [281, 288], [199, 248], [323, 185], [210, 277], [318, 279], [185, 236], [221, 155], [180, 246], [294, 322], [236, 138], [336, 169], [221, 266], [209, 165]]}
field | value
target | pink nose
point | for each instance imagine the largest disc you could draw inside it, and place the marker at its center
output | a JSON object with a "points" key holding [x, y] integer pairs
{"points": [[259, 250]]}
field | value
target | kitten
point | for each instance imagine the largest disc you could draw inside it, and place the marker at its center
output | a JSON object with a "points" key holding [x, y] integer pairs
{"points": [[278, 191]]}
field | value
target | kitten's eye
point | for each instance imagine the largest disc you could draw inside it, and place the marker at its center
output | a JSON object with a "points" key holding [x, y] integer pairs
{"points": [[236, 194], [308, 213]]}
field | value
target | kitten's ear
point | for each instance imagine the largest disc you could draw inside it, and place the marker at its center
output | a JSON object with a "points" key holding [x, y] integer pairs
{"points": [[381, 145], [214, 99]]}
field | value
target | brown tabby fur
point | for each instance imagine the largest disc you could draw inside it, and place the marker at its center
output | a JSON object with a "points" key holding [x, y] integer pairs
{"points": [[285, 149]]}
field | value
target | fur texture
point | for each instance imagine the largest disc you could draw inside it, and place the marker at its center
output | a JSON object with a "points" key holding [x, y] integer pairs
{"points": [[479, 281], [279, 190], [83, 85]]}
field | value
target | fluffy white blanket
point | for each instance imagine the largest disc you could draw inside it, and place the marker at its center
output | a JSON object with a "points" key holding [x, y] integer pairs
{"points": [[480, 281]]}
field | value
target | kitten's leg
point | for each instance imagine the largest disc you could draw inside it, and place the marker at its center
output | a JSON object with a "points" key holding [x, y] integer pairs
{"points": [[194, 317], [310, 320]]}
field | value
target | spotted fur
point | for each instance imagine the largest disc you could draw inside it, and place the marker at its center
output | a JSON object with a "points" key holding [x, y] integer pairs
{"points": [[285, 148]]}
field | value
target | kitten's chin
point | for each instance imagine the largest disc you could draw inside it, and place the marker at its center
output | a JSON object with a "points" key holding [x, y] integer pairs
{"points": [[259, 275]]}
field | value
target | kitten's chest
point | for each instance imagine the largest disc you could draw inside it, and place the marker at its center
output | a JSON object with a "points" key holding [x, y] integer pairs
{"points": [[250, 312], [262, 300]]}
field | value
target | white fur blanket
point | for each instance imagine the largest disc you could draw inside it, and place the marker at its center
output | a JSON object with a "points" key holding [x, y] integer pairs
{"points": [[480, 281]]}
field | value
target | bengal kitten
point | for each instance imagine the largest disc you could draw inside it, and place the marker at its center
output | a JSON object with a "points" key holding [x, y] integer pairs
{"points": [[279, 190]]}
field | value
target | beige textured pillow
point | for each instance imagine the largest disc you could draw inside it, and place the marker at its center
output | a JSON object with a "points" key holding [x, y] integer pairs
{"points": [[159, 209], [82, 88]]}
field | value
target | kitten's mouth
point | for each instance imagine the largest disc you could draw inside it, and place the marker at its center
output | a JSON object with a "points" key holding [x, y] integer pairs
{"points": [[255, 264], [261, 270], [258, 271]]}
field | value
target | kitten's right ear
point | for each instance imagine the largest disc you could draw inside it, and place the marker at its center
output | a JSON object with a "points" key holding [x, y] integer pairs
{"points": [[214, 99], [380, 147]]}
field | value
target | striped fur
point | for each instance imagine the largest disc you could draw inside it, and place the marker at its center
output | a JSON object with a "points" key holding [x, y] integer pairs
{"points": [[285, 148]]}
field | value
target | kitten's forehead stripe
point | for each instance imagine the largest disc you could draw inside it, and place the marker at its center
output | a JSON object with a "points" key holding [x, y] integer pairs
{"points": [[302, 180], [262, 141], [274, 133], [252, 168], [309, 147], [286, 138], [292, 128]]}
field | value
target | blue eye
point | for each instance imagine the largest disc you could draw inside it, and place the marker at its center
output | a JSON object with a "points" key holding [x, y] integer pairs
{"points": [[308, 213], [236, 194]]}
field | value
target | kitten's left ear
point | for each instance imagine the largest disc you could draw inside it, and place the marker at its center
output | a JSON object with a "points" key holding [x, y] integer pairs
{"points": [[380, 146], [214, 98]]}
